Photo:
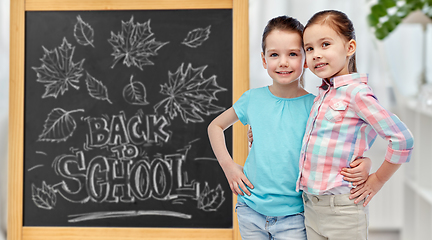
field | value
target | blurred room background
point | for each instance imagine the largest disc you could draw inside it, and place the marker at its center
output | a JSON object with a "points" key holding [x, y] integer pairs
{"points": [[396, 53]]}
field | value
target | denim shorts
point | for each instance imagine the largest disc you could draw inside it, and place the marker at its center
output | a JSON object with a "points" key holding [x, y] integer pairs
{"points": [[255, 226]]}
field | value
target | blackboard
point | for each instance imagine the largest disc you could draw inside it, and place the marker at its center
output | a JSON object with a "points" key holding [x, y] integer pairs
{"points": [[117, 105]]}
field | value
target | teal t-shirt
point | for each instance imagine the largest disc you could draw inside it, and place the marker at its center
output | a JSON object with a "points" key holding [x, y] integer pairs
{"points": [[272, 166]]}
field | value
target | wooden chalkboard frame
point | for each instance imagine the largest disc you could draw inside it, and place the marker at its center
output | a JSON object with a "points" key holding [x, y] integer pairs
{"points": [[16, 231]]}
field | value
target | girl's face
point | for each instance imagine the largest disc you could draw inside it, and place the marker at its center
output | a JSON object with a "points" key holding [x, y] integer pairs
{"points": [[284, 57], [327, 53]]}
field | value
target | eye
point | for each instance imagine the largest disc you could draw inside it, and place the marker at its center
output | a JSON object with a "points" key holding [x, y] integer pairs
{"points": [[273, 55], [308, 49], [293, 54], [326, 44]]}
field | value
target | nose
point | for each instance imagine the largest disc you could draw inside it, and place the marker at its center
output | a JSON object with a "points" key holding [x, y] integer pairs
{"points": [[316, 55], [283, 62]]}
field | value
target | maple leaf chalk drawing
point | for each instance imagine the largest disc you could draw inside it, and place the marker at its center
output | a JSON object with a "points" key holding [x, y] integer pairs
{"points": [[59, 125], [190, 94], [211, 199], [44, 197], [197, 37], [135, 93], [96, 88], [134, 44], [83, 32], [58, 71]]}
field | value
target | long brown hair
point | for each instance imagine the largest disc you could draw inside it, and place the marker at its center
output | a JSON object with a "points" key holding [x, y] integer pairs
{"points": [[340, 23], [283, 23]]}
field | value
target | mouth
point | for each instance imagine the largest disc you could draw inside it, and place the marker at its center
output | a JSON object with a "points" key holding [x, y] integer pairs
{"points": [[320, 65], [284, 72]]}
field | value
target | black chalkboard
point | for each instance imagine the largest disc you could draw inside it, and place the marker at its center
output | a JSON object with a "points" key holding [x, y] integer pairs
{"points": [[117, 105]]}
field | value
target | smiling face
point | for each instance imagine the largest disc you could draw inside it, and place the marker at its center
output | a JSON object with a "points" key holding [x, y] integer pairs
{"points": [[327, 53], [283, 57]]}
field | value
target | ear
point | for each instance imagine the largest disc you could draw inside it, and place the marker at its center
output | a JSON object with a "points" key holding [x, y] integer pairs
{"points": [[352, 46], [263, 60]]}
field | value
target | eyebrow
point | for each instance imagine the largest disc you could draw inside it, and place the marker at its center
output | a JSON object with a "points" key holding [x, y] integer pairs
{"points": [[325, 38], [320, 40], [289, 50]]}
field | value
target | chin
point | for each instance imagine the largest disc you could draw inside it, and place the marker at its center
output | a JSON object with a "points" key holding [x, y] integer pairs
{"points": [[322, 75]]}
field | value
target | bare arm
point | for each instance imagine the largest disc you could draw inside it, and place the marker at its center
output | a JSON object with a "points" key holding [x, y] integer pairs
{"points": [[375, 182], [233, 171]]}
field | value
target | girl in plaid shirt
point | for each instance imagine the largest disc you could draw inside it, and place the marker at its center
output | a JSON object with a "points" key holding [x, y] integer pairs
{"points": [[344, 122]]}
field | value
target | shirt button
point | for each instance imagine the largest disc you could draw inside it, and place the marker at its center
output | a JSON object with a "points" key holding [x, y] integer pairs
{"points": [[315, 199]]}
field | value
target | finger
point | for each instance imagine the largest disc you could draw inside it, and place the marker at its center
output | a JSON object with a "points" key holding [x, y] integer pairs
{"points": [[232, 189], [353, 190], [350, 174], [248, 183], [356, 183], [351, 170], [237, 189], [345, 172], [243, 187], [368, 199], [357, 161], [356, 192], [361, 197], [354, 177]]}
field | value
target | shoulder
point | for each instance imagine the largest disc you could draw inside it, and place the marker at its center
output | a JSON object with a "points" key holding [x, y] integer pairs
{"points": [[361, 90], [256, 93], [309, 99], [260, 90], [304, 103], [357, 90]]}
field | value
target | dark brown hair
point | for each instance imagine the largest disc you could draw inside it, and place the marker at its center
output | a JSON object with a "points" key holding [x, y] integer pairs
{"points": [[283, 23], [341, 24]]}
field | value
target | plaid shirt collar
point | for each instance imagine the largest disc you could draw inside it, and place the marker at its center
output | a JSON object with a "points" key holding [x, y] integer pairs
{"points": [[343, 80]]}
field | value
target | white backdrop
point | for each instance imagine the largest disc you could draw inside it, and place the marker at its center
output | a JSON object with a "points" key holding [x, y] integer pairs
{"points": [[260, 12]]}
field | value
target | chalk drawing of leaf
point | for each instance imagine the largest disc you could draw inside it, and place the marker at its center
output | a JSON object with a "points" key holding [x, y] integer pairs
{"points": [[58, 71], [211, 200], [83, 32], [59, 125], [135, 93], [134, 44], [190, 94], [96, 88], [196, 37], [44, 197]]}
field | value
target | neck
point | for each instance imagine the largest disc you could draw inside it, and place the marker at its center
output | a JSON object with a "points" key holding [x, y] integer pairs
{"points": [[291, 90]]}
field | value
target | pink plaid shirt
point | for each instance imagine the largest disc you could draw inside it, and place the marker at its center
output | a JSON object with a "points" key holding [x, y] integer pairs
{"points": [[343, 124]]}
